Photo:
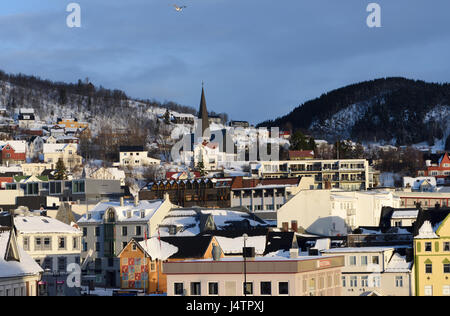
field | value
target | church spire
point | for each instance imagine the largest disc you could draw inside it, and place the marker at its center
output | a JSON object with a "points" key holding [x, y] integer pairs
{"points": [[203, 112]]}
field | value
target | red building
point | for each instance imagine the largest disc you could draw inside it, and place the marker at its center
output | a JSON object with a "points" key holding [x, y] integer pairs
{"points": [[14, 153], [439, 169]]}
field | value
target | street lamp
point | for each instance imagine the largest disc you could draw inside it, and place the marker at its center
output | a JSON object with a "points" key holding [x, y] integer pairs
{"points": [[245, 236]]}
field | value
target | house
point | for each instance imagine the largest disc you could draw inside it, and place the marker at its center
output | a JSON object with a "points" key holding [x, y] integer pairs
{"points": [[136, 156], [334, 212], [109, 174], [265, 197], [19, 273], [386, 270], [203, 221], [439, 168], [35, 169], [420, 184], [51, 243], [109, 227], [257, 276], [345, 174], [13, 152], [432, 253], [65, 152], [72, 123], [424, 199], [203, 192], [26, 118], [141, 262]]}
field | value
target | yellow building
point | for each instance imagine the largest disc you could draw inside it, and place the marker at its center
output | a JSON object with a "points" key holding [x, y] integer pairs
{"points": [[432, 253], [72, 123]]}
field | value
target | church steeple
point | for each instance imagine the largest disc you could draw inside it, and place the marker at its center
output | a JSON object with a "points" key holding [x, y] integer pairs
{"points": [[203, 113]]}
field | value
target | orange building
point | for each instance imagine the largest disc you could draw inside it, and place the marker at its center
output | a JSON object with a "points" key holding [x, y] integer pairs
{"points": [[72, 123], [141, 262]]}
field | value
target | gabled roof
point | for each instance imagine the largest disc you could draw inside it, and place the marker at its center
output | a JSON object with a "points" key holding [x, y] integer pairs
{"points": [[280, 241], [435, 216], [193, 247]]}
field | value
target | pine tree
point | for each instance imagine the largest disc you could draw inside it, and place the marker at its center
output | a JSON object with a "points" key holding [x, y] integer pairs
{"points": [[61, 171], [201, 168]]}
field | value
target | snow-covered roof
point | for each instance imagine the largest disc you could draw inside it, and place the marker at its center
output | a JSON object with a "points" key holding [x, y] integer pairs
{"points": [[427, 231], [357, 249], [10, 269], [405, 214], [235, 245], [41, 224], [416, 183], [158, 249], [398, 263], [126, 213], [19, 146]]}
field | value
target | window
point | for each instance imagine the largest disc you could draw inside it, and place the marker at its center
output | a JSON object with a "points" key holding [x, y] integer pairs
{"points": [[428, 290], [428, 268], [376, 280], [62, 264], [364, 281], [446, 267], [266, 288], [61, 243], [375, 260], [428, 246], [26, 243], [138, 230], [75, 243], [97, 247], [364, 260], [352, 260], [196, 288], [248, 288], [84, 232], [47, 243], [283, 288], [353, 281], [178, 289], [344, 281], [124, 231], [446, 246], [85, 246], [78, 187], [55, 187], [48, 264], [398, 281], [445, 290], [213, 288], [97, 231]]}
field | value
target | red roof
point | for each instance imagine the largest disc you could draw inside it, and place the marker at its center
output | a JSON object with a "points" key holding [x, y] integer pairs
{"points": [[301, 154]]}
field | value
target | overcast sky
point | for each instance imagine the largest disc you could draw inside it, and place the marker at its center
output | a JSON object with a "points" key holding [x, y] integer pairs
{"points": [[259, 59]]}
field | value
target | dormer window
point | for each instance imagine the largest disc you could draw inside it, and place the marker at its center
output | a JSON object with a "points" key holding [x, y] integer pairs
{"points": [[128, 214], [142, 214]]}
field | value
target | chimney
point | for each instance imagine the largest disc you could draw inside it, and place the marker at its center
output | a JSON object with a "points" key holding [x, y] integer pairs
{"points": [[294, 226], [121, 201], [216, 252], [285, 227], [136, 200]]}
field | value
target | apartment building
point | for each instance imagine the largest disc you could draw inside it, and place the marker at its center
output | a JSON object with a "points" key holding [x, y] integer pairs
{"points": [[432, 253], [51, 243], [346, 174], [264, 276], [375, 271], [136, 156], [108, 228], [65, 152], [334, 212], [266, 196]]}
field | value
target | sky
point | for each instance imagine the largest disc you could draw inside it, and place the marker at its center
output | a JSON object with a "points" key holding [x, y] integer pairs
{"points": [[258, 59]]}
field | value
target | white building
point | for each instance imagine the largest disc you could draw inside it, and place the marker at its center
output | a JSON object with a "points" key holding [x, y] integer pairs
{"points": [[375, 270], [109, 174], [333, 213], [136, 156], [19, 273], [51, 243]]}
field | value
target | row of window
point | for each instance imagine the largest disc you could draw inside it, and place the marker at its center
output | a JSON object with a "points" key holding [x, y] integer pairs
{"points": [[247, 288], [428, 290], [367, 281], [47, 263], [429, 268], [428, 247], [45, 243], [137, 231], [364, 260], [16, 291]]}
